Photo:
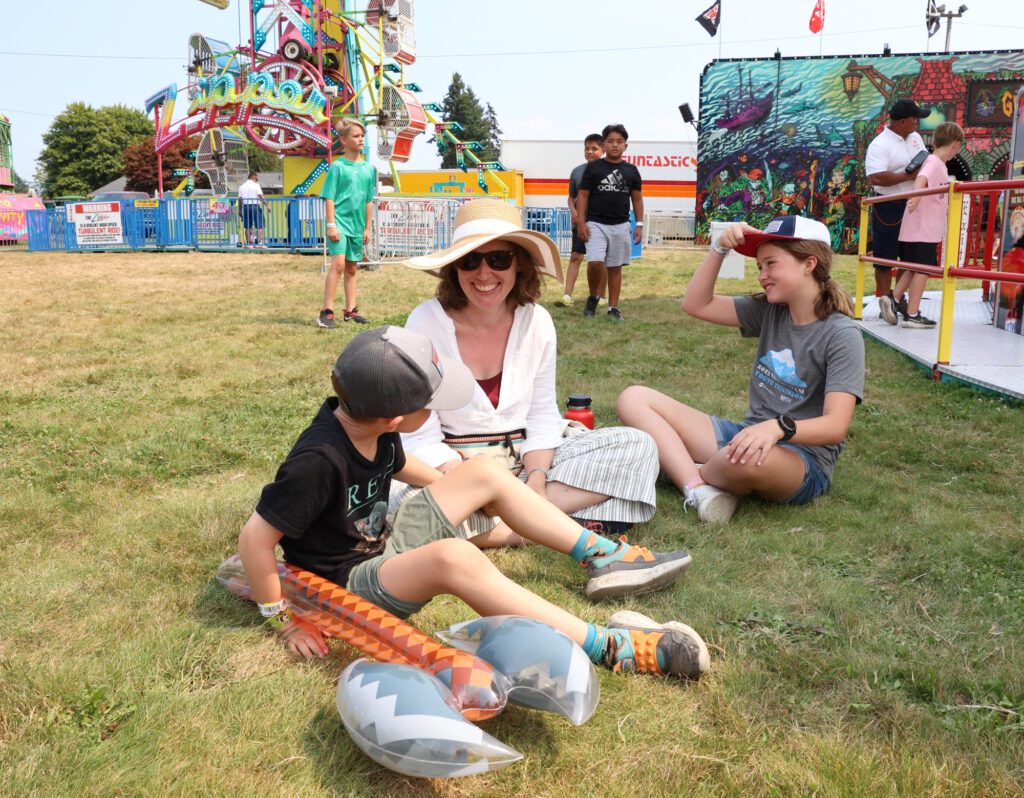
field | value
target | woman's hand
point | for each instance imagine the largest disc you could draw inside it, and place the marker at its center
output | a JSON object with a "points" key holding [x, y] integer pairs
{"points": [[754, 441], [303, 638], [537, 481], [444, 468], [912, 203]]}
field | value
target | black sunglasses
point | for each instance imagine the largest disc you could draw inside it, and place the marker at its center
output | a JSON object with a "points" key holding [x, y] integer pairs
{"points": [[499, 260]]}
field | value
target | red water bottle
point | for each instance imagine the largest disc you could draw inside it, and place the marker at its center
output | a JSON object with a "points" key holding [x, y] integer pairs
{"points": [[578, 409]]}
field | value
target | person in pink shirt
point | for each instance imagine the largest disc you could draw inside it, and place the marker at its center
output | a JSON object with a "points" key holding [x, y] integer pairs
{"points": [[924, 224]]}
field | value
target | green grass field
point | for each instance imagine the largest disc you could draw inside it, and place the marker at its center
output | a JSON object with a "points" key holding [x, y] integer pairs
{"points": [[869, 644]]}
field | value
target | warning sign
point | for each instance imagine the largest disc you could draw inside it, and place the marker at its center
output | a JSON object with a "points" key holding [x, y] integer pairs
{"points": [[96, 222]]}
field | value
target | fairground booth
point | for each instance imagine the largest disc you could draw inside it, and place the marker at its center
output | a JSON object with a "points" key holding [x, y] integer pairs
{"points": [[789, 135]]}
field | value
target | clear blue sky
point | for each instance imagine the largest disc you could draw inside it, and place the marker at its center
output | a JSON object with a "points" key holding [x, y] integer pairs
{"points": [[551, 68]]}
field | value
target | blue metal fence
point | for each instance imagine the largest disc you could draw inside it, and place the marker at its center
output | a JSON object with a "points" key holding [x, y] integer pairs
{"points": [[295, 224], [206, 223]]}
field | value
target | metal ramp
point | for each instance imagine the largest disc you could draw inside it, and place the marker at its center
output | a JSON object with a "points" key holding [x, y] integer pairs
{"points": [[983, 356]]}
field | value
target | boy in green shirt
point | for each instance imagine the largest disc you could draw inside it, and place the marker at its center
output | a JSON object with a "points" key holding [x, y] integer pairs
{"points": [[348, 194]]}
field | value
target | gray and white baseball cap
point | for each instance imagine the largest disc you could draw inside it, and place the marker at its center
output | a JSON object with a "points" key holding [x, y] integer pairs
{"points": [[391, 371]]}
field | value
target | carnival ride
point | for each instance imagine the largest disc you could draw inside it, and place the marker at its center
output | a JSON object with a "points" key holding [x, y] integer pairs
{"points": [[307, 64]]}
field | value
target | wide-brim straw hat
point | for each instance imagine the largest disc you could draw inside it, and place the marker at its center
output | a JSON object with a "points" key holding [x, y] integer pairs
{"points": [[479, 221]]}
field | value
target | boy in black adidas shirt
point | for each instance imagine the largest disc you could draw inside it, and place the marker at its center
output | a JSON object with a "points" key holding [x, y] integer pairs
{"points": [[606, 190]]}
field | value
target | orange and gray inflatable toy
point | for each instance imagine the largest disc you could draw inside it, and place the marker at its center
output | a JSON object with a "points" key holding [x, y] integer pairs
{"points": [[418, 724]]}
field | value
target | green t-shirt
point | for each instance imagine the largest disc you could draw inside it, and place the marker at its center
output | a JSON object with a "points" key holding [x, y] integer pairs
{"points": [[350, 185]]}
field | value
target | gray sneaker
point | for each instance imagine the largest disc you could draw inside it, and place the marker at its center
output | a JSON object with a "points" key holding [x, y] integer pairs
{"points": [[632, 570], [713, 505], [591, 307], [683, 650], [887, 309], [326, 319], [615, 315]]}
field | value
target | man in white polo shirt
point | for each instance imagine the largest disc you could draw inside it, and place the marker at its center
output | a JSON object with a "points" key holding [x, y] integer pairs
{"points": [[250, 196], [886, 162]]}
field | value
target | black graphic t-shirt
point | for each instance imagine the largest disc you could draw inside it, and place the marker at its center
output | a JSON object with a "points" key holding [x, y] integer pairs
{"points": [[330, 501], [609, 185]]}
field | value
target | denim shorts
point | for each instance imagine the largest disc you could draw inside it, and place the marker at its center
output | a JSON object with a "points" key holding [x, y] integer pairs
{"points": [[815, 482]]}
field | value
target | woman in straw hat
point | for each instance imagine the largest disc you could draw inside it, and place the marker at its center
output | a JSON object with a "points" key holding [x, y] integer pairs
{"points": [[485, 314]]}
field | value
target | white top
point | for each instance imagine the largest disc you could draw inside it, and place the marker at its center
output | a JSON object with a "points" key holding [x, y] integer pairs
{"points": [[527, 397], [890, 152], [250, 191]]}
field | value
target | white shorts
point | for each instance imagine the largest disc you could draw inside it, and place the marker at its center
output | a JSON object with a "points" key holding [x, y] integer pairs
{"points": [[609, 244]]}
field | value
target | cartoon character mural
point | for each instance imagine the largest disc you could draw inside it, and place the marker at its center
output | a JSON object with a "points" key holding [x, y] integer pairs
{"points": [[788, 135]]}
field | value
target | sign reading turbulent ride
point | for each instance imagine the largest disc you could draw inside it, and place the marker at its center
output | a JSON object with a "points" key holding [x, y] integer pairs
{"points": [[96, 222]]}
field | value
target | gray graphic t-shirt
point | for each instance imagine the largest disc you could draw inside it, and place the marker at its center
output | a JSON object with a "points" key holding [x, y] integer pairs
{"points": [[797, 365]]}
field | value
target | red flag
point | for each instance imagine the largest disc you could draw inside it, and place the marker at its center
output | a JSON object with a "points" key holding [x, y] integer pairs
{"points": [[817, 17]]}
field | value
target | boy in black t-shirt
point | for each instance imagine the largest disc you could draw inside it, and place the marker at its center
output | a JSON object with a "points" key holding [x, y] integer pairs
{"points": [[327, 508], [606, 190]]}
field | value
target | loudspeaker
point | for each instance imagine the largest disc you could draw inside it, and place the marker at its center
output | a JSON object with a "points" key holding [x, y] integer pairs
{"points": [[688, 116]]}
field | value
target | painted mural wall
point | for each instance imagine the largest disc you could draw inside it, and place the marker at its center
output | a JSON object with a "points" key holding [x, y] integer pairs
{"points": [[788, 135]]}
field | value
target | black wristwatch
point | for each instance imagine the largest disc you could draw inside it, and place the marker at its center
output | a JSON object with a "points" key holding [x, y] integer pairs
{"points": [[788, 427]]}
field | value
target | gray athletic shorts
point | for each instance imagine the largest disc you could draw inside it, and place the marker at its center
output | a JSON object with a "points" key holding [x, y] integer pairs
{"points": [[609, 244], [418, 522]]}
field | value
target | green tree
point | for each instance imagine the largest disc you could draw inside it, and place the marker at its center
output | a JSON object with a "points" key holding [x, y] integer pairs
{"points": [[493, 133], [84, 147], [462, 105], [20, 186], [261, 160]]}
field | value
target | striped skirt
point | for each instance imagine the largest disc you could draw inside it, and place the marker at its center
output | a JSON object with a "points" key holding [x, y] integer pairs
{"points": [[618, 462]]}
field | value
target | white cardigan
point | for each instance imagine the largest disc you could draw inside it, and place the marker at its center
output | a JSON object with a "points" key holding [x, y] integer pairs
{"points": [[527, 397]]}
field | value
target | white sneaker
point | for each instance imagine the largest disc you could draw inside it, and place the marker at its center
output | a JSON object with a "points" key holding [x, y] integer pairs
{"points": [[601, 301], [628, 619], [565, 301], [713, 505]]}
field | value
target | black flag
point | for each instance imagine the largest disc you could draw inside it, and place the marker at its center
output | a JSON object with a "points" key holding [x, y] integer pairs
{"points": [[711, 18], [932, 18]]}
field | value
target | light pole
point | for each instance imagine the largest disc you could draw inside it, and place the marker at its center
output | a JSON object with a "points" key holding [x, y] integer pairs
{"points": [[934, 17]]}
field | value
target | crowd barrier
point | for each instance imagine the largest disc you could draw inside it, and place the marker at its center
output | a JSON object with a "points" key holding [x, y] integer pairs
{"points": [[402, 226], [957, 258]]}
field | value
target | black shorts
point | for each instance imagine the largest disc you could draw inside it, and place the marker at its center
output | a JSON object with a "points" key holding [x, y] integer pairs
{"points": [[579, 246], [923, 252], [886, 219], [252, 215]]}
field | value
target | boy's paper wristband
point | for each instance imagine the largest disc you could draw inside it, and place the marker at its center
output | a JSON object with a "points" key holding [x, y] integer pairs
{"points": [[715, 247], [270, 610]]}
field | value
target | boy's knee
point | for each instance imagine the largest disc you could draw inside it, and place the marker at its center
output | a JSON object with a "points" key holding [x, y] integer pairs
{"points": [[487, 469], [351, 266], [453, 555]]}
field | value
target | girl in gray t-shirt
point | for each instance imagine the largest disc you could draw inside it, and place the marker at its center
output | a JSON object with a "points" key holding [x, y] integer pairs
{"points": [[807, 378]]}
